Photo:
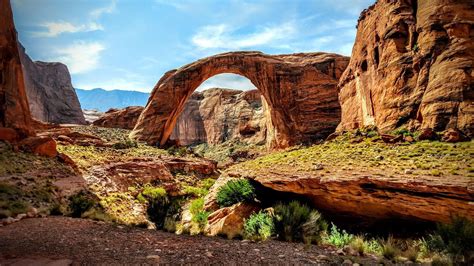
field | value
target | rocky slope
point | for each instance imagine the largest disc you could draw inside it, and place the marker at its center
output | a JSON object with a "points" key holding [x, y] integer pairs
{"points": [[299, 89], [120, 118], [411, 65], [217, 115], [14, 111], [50, 93]]}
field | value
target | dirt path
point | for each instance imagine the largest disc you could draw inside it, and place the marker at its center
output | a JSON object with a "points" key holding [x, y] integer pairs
{"points": [[63, 241]]}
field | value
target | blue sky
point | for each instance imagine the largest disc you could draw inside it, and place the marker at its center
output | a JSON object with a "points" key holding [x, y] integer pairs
{"points": [[130, 44]]}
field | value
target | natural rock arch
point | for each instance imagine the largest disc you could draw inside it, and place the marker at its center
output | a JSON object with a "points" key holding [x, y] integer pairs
{"points": [[299, 89]]}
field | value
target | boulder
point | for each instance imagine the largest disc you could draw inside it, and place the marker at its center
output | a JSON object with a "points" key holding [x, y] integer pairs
{"points": [[9, 134], [410, 65], [43, 146], [229, 221], [120, 118], [428, 134], [453, 135]]}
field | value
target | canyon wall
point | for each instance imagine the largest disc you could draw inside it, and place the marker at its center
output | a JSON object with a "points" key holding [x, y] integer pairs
{"points": [[14, 111], [411, 66], [120, 118], [50, 93], [217, 115]]}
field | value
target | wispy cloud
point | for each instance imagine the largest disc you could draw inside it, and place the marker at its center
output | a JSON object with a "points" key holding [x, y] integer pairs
{"points": [[56, 28], [178, 4], [80, 57], [98, 12], [53, 29], [226, 37]]}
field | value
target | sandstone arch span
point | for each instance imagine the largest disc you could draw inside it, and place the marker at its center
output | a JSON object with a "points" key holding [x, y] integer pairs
{"points": [[299, 89]]}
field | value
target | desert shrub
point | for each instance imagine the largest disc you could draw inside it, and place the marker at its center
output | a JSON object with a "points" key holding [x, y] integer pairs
{"points": [[235, 191], [199, 216], [206, 183], [194, 191], [359, 245], [296, 221], [80, 203], [126, 144], [389, 249], [259, 226], [338, 238], [455, 238], [373, 246], [403, 132], [200, 219]]}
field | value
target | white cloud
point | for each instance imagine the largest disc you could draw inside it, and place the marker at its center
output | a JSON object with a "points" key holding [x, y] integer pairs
{"points": [[80, 57], [178, 4], [96, 13], [225, 37], [54, 29], [230, 81]]}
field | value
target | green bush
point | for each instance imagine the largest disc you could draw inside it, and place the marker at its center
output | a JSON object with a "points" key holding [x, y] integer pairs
{"points": [[235, 191], [194, 191], [296, 221], [455, 238], [259, 226], [126, 144], [80, 203], [338, 238], [200, 218]]}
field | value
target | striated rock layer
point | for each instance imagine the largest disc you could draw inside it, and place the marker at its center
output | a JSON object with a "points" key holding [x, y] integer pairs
{"points": [[299, 89], [217, 115], [120, 118], [370, 197], [411, 65], [50, 93], [14, 111]]}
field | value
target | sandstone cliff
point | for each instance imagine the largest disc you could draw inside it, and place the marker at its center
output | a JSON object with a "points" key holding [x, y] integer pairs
{"points": [[14, 111], [411, 65], [217, 115], [50, 93]]}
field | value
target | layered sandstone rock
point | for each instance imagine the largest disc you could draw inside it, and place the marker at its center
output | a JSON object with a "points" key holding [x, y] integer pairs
{"points": [[368, 197], [299, 89], [229, 221], [217, 115], [411, 65], [120, 118], [14, 111], [50, 93]]}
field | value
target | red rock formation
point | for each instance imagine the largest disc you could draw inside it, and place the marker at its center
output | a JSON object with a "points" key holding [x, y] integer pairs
{"points": [[300, 90], [50, 93], [370, 197], [43, 146], [14, 111], [217, 115], [411, 65], [123, 118]]}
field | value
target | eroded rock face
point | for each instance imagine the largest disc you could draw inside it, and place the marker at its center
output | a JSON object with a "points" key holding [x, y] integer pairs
{"points": [[50, 93], [300, 91], [14, 111], [370, 197], [120, 118], [217, 115], [411, 65]]}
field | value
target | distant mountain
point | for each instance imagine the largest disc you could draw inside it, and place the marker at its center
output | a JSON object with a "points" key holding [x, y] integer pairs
{"points": [[103, 100]]}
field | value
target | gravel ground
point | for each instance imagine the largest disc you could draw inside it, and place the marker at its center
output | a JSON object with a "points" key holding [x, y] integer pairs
{"points": [[63, 241]]}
